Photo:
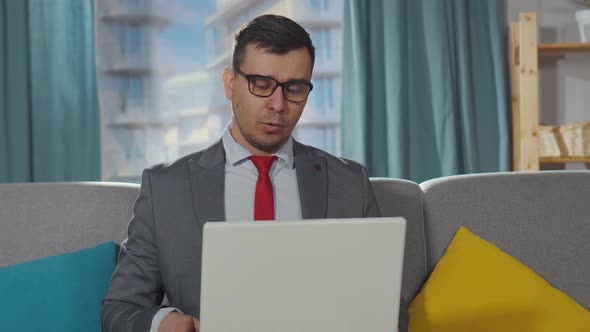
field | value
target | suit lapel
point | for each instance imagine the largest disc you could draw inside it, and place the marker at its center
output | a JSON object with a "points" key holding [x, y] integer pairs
{"points": [[207, 174], [312, 179]]}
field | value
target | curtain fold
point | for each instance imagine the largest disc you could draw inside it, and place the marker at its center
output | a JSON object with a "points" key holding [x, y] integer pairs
{"points": [[15, 131], [49, 115], [424, 93]]}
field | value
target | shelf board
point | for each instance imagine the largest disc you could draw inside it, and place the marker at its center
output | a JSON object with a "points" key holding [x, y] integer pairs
{"points": [[564, 47], [562, 160]]}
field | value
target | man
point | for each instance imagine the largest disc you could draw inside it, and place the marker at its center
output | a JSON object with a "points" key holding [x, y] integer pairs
{"points": [[268, 87]]}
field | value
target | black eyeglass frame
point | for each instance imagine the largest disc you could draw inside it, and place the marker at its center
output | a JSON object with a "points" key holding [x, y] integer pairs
{"points": [[249, 77]]}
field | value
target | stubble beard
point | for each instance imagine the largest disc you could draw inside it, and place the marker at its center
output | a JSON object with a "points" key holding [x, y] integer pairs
{"points": [[268, 148], [252, 141]]}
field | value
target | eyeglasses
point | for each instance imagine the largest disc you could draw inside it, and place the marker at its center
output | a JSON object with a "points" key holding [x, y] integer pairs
{"points": [[264, 86]]}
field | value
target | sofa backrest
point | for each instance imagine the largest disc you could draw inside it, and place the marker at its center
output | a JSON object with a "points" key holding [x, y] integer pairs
{"points": [[43, 219], [540, 218], [404, 198]]}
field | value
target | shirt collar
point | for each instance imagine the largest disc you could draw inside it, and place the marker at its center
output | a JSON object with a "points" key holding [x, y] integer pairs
{"points": [[236, 153]]}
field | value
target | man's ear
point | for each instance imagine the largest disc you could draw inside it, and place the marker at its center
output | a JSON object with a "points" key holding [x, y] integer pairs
{"points": [[228, 82]]}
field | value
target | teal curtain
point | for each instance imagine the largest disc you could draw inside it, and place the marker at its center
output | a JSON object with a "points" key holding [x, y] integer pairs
{"points": [[425, 87], [49, 113]]}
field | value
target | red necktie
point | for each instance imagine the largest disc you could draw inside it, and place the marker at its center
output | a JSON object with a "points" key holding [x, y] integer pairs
{"points": [[264, 208]]}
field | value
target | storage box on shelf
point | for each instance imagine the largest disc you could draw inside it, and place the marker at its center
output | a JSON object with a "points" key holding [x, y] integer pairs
{"points": [[567, 141]]}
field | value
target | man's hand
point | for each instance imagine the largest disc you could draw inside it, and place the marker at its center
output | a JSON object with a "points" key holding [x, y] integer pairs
{"points": [[177, 322]]}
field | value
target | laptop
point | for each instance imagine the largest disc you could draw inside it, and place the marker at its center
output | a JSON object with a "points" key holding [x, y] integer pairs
{"points": [[315, 275]]}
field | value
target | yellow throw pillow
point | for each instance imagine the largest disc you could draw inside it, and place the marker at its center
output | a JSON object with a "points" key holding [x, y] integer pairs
{"points": [[478, 287]]}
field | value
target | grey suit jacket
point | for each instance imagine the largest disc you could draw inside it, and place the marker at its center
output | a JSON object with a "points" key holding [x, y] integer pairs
{"points": [[162, 254]]}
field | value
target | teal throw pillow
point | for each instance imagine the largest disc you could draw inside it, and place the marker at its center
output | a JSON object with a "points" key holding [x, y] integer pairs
{"points": [[59, 293]]}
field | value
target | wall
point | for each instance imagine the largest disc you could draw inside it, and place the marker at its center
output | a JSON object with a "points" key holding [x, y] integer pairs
{"points": [[564, 79]]}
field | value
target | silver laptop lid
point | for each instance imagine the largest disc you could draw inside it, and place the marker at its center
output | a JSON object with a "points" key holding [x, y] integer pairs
{"points": [[316, 275]]}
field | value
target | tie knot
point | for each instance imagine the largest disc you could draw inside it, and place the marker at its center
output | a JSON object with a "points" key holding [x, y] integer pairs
{"points": [[263, 163]]}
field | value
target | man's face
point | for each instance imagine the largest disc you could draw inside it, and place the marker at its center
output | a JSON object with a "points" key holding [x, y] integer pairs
{"points": [[263, 124]]}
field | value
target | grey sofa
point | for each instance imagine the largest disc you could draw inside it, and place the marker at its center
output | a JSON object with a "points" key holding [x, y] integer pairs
{"points": [[540, 218]]}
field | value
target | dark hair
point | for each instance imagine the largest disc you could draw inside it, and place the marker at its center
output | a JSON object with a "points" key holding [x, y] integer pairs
{"points": [[274, 33]]}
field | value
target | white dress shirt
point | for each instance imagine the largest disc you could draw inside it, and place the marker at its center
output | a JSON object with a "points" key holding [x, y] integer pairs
{"points": [[240, 186], [240, 182]]}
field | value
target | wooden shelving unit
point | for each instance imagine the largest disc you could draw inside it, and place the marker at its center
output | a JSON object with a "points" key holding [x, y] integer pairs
{"points": [[525, 87]]}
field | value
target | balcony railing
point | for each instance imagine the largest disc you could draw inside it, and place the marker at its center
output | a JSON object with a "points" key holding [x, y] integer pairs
{"points": [[132, 12]]}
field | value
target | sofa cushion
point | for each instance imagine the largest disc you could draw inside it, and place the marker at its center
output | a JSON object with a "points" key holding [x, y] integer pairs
{"points": [[478, 287], [59, 293]]}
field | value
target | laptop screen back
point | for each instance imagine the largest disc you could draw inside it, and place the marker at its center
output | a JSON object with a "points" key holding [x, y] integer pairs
{"points": [[316, 275]]}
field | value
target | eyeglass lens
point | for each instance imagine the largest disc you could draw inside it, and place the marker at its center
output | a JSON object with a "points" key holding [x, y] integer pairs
{"points": [[264, 87]]}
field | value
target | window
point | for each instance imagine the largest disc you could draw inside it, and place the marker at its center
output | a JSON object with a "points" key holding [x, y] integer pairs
{"points": [[322, 41], [130, 40], [315, 4], [322, 96], [159, 67]]}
